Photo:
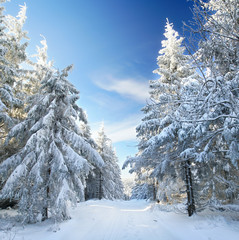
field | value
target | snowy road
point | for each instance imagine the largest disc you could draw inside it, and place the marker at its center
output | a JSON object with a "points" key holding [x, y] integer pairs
{"points": [[120, 220], [127, 220]]}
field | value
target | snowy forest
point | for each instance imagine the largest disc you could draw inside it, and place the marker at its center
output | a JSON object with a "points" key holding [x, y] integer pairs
{"points": [[188, 140], [188, 147]]}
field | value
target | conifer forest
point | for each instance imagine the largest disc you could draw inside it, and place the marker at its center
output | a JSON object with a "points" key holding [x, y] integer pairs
{"points": [[187, 156]]}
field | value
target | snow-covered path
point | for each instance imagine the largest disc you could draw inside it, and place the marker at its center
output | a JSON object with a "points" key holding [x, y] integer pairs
{"points": [[118, 220], [127, 220]]}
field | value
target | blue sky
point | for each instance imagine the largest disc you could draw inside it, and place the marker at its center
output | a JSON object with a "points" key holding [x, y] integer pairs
{"points": [[113, 45]]}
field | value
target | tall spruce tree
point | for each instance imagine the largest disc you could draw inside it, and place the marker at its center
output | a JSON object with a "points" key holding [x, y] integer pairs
{"points": [[51, 167], [162, 136]]}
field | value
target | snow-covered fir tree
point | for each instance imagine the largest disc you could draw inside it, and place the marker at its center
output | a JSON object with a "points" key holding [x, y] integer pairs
{"points": [[106, 182], [8, 75], [17, 56], [51, 168], [214, 111], [161, 131], [13, 76]]}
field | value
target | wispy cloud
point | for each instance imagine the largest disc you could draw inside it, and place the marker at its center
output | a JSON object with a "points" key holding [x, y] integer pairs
{"points": [[136, 89], [107, 102], [124, 130]]}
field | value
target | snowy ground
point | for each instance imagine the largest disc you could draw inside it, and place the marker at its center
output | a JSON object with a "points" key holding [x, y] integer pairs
{"points": [[123, 220]]}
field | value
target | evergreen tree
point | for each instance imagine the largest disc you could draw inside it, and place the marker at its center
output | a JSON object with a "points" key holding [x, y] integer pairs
{"points": [[165, 134], [17, 56], [8, 73], [51, 167], [214, 111], [106, 182], [13, 77]]}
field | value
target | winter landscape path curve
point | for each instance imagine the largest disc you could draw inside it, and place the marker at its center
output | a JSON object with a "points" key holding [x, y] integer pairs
{"points": [[127, 220]]}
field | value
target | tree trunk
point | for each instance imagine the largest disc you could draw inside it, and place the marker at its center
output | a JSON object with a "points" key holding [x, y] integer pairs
{"points": [[45, 209], [155, 189], [190, 197], [86, 193], [100, 187]]}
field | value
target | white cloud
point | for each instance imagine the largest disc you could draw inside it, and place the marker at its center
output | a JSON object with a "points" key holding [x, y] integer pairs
{"points": [[128, 87], [124, 130]]}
